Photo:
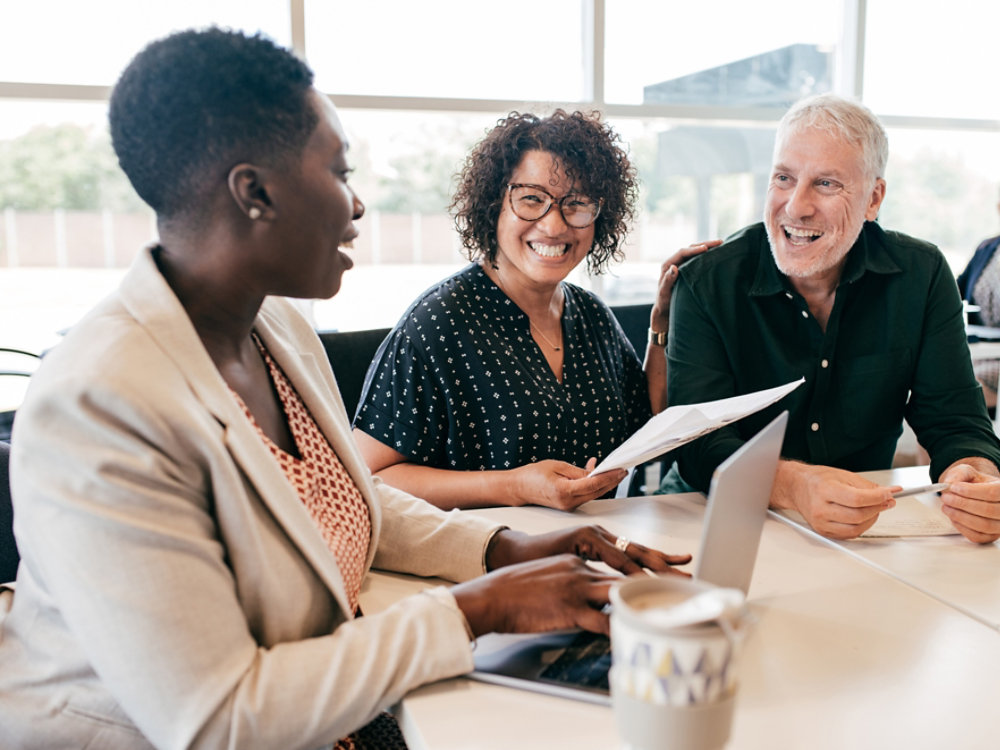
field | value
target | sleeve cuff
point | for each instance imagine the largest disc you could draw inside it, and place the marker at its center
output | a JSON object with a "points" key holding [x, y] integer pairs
{"points": [[488, 544], [445, 598]]}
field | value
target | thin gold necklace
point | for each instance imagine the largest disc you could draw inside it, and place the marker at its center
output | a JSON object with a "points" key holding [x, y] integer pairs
{"points": [[531, 323], [555, 348]]}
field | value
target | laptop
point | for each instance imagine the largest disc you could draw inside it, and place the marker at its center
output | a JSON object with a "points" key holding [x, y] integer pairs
{"points": [[574, 664]]}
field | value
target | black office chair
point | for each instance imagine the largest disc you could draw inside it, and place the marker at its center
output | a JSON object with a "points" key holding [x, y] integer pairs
{"points": [[350, 354], [634, 320], [16, 367], [9, 556]]}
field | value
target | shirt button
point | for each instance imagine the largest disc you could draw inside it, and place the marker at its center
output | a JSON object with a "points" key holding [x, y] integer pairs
{"points": [[814, 426], [824, 364], [805, 314], [789, 295]]}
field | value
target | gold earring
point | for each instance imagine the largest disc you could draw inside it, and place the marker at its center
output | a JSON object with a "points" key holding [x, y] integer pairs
{"points": [[253, 213]]}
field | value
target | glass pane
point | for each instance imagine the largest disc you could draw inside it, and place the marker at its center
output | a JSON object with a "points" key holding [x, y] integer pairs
{"points": [[765, 53], [448, 48], [92, 42], [404, 163], [915, 66], [941, 186], [699, 181], [18, 116], [69, 221]]}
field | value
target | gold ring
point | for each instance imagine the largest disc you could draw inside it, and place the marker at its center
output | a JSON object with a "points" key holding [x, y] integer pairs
{"points": [[622, 543]]}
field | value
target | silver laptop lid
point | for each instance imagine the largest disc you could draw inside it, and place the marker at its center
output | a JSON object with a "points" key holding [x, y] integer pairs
{"points": [[737, 506]]}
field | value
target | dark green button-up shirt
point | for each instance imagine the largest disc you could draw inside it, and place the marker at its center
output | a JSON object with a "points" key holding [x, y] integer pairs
{"points": [[894, 348]]}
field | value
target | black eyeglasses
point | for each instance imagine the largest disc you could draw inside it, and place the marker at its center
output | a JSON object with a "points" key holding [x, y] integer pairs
{"points": [[531, 203]]}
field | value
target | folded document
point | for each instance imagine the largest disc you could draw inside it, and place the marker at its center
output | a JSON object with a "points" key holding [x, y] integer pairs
{"points": [[677, 425]]}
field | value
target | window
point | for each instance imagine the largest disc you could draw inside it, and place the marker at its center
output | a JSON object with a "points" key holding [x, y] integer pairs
{"points": [[69, 42], [660, 53], [932, 60], [448, 48], [417, 83], [942, 186]]}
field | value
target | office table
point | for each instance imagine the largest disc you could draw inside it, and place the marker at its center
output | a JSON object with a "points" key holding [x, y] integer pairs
{"points": [[952, 569], [842, 656]]}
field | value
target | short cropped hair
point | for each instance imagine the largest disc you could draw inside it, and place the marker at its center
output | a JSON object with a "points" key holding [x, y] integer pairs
{"points": [[847, 119], [192, 105], [589, 152]]}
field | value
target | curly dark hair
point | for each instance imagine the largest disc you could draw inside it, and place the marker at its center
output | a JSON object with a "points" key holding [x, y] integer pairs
{"points": [[191, 105], [587, 149]]}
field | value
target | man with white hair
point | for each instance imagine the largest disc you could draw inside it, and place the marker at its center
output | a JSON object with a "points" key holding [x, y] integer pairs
{"points": [[871, 318]]}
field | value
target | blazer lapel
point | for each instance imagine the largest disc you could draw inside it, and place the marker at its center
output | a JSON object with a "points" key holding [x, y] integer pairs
{"points": [[148, 297], [315, 384]]}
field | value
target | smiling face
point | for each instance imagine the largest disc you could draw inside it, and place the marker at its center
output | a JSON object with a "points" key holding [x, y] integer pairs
{"points": [[542, 252], [316, 210], [817, 201]]}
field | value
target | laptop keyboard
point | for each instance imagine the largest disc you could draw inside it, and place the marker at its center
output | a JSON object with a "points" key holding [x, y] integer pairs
{"points": [[585, 661]]}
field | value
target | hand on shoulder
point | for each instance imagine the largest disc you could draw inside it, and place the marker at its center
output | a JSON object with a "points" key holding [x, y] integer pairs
{"points": [[669, 271]]}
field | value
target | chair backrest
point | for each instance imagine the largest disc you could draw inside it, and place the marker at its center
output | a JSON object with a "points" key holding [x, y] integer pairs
{"points": [[634, 320], [350, 353], [16, 367], [9, 556]]}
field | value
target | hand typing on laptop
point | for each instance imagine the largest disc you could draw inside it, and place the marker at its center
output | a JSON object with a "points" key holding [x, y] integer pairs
{"points": [[543, 582]]}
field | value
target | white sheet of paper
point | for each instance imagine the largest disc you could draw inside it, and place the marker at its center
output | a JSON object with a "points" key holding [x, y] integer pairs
{"points": [[677, 425], [918, 515]]}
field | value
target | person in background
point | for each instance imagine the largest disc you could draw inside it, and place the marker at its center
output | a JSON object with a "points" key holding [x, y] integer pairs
{"points": [[194, 518], [870, 318], [504, 383], [979, 285]]}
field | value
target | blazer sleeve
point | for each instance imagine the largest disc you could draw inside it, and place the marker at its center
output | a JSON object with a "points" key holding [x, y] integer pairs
{"points": [[423, 540]]}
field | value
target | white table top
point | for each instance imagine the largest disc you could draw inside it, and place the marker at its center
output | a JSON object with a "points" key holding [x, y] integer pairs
{"points": [[950, 568], [843, 655]]}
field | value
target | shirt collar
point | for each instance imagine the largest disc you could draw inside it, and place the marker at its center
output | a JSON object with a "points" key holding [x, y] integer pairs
{"points": [[868, 255]]}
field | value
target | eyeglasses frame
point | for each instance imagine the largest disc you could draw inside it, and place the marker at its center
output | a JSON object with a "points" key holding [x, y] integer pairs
{"points": [[553, 201]]}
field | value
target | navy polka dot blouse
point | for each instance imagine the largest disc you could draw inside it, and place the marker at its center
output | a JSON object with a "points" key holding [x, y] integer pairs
{"points": [[460, 383]]}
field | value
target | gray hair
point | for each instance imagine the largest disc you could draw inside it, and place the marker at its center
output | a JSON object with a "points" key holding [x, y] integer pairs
{"points": [[846, 119]]}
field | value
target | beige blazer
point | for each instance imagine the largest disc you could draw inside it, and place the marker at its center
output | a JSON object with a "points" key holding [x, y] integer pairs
{"points": [[173, 589]]}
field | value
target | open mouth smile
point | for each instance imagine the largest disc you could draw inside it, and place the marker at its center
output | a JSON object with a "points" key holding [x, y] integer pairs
{"points": [[547, 250], [801, 236]]}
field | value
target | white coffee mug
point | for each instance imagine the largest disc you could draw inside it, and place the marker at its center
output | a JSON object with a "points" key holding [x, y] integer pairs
{"points": [[673, 685]]}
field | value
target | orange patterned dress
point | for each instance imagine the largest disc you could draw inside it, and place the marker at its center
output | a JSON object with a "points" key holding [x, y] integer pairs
{"points": [[339, 511]]}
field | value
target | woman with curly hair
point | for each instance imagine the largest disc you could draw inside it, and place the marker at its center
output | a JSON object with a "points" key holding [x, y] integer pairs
{"points": [[504, 384]]}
